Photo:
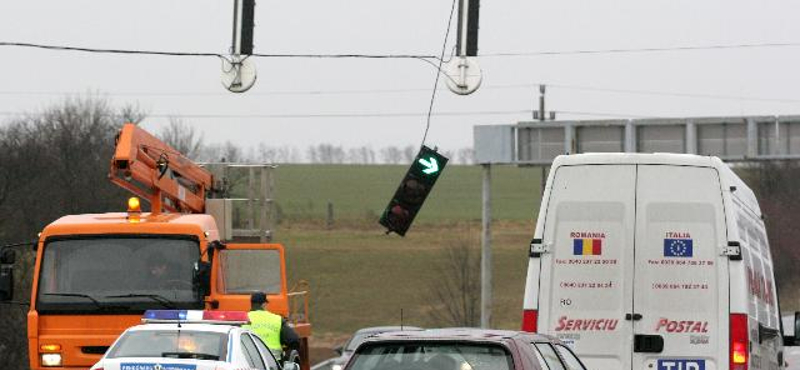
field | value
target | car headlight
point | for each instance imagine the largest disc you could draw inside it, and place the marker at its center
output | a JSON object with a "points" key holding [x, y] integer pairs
{"points": [[51, 359], [337, 367]]}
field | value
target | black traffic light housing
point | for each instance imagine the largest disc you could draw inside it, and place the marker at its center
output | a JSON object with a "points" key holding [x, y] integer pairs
{"points": [[413, 190]]}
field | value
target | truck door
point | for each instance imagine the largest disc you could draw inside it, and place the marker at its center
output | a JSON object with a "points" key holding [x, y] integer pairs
{"points": [[680, 297], [586, 276], [241, 269]]}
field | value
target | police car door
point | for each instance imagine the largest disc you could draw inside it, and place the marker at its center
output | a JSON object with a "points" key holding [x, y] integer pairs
{"points": [[241, 269], [586, 275], [680, 303]]}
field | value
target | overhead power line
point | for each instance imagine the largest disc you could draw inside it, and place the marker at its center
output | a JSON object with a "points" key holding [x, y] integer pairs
{"points": [[414, 90], [644, 49], [408, 56], [202, 54], [525, 112], [675, 94]]}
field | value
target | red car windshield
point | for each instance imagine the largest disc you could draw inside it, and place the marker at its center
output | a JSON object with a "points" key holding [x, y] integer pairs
{"points": [[432, 356]]}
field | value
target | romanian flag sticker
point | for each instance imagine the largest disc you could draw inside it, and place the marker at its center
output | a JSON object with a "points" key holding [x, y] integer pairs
{"points": [[587, 247]]}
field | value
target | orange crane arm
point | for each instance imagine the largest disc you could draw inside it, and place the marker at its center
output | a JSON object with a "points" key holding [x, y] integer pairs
{"points": [[153, 170]]}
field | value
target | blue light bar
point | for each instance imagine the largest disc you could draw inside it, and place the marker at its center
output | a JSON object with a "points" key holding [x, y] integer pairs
{"points": [[198, 316], [165, 315]]}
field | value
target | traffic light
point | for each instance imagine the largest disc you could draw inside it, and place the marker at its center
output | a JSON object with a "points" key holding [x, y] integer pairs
{"points": [[413, 190]]}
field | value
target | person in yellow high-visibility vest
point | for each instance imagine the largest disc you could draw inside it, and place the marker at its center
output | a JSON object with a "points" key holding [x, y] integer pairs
{"points": [[271, 328]]}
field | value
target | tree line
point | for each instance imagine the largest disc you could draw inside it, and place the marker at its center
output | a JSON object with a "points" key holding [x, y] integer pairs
{"points": [[183, 137]]}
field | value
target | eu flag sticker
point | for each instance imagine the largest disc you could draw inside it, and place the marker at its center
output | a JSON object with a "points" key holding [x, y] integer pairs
{"points": [[678, 248]]}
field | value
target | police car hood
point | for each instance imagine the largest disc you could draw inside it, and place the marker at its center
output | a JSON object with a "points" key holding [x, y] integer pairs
{"points": [[159, 363]]}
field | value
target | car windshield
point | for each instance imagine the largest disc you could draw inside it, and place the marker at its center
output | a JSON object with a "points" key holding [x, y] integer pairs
{"points": [[113, 273], [171, 344], [432, 356]]}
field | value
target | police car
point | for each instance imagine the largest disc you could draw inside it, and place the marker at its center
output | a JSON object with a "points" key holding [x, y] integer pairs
{"points": [[190, 340]]}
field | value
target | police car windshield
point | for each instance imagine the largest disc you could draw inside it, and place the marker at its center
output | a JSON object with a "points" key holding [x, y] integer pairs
{"points": [[432, 356], [171, 344], [119, 272]]}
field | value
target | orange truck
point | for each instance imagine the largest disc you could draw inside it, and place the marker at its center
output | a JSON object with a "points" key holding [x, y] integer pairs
{"points": [[96, 274]]}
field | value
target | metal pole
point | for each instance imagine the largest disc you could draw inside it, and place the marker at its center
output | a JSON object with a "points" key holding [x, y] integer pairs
{"points": [[486, 249], [263, 199], [251, 198], [541, 102]]}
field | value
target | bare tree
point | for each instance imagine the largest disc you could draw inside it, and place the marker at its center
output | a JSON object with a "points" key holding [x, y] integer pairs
{"points": [[779, 197], [313, 155], [227, 152], [51, 163], [330, 154], [183, 138], [361, 155], [455, 290], [391, 155], [466, 156], [288, 154], [267, 154], [409, 153]]}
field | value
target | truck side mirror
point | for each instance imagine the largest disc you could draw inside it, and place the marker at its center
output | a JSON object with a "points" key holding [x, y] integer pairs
{"points": [[201, 278], [6, 282], [796, 327], [8, 257]]}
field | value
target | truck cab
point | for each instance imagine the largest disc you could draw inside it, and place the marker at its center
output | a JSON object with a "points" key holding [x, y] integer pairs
{"points": [[96, 274]]}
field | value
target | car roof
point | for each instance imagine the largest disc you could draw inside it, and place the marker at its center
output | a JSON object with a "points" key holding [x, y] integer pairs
{"points": [[460, 334], [213, 328], [381, 329]]}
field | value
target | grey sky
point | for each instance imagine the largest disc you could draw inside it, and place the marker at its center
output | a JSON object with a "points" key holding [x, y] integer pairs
{"points": [[30, 79]]}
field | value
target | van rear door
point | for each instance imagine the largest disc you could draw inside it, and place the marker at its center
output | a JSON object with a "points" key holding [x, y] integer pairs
{"points": [[680, 281], [589, 232]]}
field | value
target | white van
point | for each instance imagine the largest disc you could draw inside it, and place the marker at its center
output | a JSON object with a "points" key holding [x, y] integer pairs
{"points": [[653, 262]]}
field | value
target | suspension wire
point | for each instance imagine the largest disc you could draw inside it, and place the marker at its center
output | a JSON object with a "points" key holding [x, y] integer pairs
{"points": [[438, 72]]}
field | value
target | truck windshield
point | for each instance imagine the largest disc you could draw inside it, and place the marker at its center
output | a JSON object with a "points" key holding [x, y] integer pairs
{"points": [[118, 273]]}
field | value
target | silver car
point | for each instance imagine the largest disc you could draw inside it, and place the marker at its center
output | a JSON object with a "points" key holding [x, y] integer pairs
{"points": [[346, 350]]}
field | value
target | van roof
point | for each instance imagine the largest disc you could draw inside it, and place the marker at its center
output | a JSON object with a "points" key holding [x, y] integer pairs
{"points": [[727, 176]]}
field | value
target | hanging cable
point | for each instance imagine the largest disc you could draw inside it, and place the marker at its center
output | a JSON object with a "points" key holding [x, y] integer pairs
{"points": [[438, 72]]}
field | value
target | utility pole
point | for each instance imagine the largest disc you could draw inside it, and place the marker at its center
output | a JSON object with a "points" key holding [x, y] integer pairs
{"points": [[540, 115], [486, 248]]}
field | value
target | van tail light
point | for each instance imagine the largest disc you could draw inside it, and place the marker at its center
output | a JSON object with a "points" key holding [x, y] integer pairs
{"points": [[529, 320], [739, 342]]}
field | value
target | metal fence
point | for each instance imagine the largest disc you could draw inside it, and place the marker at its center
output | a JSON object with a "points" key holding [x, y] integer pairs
{"points": [[747, 138]]}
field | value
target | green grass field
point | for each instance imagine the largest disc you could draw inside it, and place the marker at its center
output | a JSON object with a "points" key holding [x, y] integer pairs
{"points": [[362, 192], [359, 276]]}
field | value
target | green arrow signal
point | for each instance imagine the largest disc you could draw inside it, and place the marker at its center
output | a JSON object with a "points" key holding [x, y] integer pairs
{"points": [[431, 166]]}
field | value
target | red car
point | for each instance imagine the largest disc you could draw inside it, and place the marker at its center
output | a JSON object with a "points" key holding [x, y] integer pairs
{"points": [[463, 349]]}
